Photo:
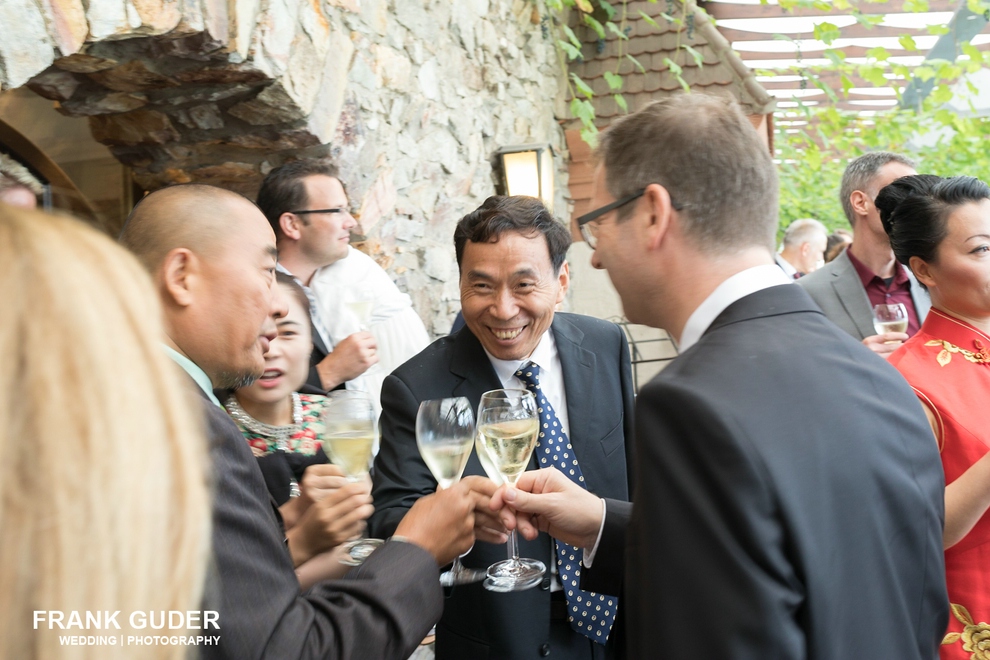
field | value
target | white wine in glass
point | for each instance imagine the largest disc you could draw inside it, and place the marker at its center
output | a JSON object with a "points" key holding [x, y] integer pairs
{"points": [[508, 425], [890, 318], [444, 435], [349, 419], [486, 460]]}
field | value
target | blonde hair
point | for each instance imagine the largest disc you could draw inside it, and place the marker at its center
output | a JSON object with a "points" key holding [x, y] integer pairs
{"points": [[103, 494]]}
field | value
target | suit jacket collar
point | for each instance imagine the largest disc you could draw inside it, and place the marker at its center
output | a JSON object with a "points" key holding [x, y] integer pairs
{"points": [[774, 301], [849, 290]]}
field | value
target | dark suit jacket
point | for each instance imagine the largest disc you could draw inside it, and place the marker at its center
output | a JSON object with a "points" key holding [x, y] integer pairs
{"points": [[837, 289], [789, 499], [594, 356], [381, 610]]}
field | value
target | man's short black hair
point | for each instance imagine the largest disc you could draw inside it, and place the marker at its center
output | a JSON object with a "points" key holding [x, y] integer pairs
{"points": [[526, 215]]}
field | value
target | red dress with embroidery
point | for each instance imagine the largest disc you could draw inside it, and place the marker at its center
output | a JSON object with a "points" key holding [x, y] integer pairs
{"points": [[948, 364]]}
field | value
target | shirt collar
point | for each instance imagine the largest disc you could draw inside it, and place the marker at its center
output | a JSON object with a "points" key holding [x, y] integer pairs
{"points": [[866, 276], [194, 372], [786, 266], [734, 288], [542, 355]]}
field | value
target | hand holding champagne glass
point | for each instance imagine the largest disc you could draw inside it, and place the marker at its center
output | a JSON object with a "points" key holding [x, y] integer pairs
{"points": [[508, 424], [349, 437], [444, 435]]}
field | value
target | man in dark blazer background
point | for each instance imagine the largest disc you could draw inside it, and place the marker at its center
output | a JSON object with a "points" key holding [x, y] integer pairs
{"points": [[774, 516], [511, 254], [212, 257]]}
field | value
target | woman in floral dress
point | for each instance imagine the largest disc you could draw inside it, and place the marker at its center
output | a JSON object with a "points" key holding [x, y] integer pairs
{"points": [[940, 229], [319, 508]]}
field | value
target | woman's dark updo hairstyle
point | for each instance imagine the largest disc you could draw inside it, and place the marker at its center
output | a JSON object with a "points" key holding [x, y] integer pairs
{"points": [[915, 211]]}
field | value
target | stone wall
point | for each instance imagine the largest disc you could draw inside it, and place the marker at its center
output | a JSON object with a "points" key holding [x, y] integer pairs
{"points": [[411, 98]]}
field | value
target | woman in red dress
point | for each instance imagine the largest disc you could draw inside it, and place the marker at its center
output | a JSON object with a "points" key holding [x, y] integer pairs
{"points": [[940, 229]]}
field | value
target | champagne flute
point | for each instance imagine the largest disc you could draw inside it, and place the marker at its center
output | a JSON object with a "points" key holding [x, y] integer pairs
{"points": [[508, 424], [444, 434], [350, 435], [360, 303], [890, 318]]}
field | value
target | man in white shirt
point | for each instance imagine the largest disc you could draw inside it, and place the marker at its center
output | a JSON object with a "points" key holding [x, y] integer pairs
{"points": [[803, 249], [511, 253], [797, 533], [360, 318]]}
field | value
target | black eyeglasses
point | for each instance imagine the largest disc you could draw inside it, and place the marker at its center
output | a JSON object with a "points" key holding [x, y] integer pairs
{"points": [[589, 231], [306, 211]]}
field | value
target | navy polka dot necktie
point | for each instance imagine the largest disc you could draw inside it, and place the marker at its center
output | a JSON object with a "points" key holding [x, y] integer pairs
{"points": [[589, 613]]}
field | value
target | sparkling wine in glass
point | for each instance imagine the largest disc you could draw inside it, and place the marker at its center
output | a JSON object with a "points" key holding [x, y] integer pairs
{"points": [[890, 318], [508, 424], [349, 420], [444, 435]]}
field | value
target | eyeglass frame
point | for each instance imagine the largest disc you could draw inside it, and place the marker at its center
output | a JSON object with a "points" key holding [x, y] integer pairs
{"points": [[589, 217], [339, 209]]}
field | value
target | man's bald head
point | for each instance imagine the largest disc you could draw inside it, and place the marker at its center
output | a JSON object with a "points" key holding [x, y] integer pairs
{"points": [[193, 216], [212, 254]]}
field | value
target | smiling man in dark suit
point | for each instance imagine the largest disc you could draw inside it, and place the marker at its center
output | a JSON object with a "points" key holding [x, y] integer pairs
{"points": [[763, 524], [511, 254]]}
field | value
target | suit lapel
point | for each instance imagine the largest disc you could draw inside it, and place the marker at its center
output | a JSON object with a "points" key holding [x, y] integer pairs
{"points": [[470, 363], [849, 290], [578, 366]]}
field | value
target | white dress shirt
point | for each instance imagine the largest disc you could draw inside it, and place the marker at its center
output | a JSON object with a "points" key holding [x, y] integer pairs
{"points": [[551, 385]]}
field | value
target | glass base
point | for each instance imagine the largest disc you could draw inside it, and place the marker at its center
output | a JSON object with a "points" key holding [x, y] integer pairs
{"points": [[463, 576], [514, 575], [360, 550]]}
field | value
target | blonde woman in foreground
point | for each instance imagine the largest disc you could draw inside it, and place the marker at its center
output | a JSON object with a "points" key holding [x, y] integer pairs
{"points": [[103, 499]]}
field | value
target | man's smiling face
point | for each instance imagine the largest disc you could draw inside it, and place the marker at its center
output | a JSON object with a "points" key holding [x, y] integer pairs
{"points": [[509, 291]]}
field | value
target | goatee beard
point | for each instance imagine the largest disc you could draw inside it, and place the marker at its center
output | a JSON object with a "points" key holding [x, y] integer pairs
{"points": [[235, 381]]}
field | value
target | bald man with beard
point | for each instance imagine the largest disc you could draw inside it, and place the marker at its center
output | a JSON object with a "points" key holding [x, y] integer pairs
{"points": [[212, 257]]}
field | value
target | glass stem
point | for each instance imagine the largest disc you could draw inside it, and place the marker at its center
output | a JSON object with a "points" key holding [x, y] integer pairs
{"points": [[513, 545], [456, 568]]}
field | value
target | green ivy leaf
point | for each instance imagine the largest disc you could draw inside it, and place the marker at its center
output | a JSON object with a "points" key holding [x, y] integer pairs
{"points": [[699, 59], [620, 101], [941, 95], [847, 84], [915, 6], [590, 135], [938, 29], [581, 86], [636, 63], [593, 23], [614, 81], [879, 54], [571, 36], [974, 53], [572, 52], [907, 42], [788, 5], [837, 57], [827, 32], [584, 111], [584, 5], [614, 29], [610, 11], [673, 66], [649, 20], [924, 73], [873, 74]]}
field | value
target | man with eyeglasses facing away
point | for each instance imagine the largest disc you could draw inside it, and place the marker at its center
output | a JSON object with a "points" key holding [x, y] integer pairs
{"points": [[307, 207], [762, 525]]}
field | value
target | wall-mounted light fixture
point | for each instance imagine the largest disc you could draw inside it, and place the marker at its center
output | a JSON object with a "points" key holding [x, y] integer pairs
{"points": [[527, 170]]}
